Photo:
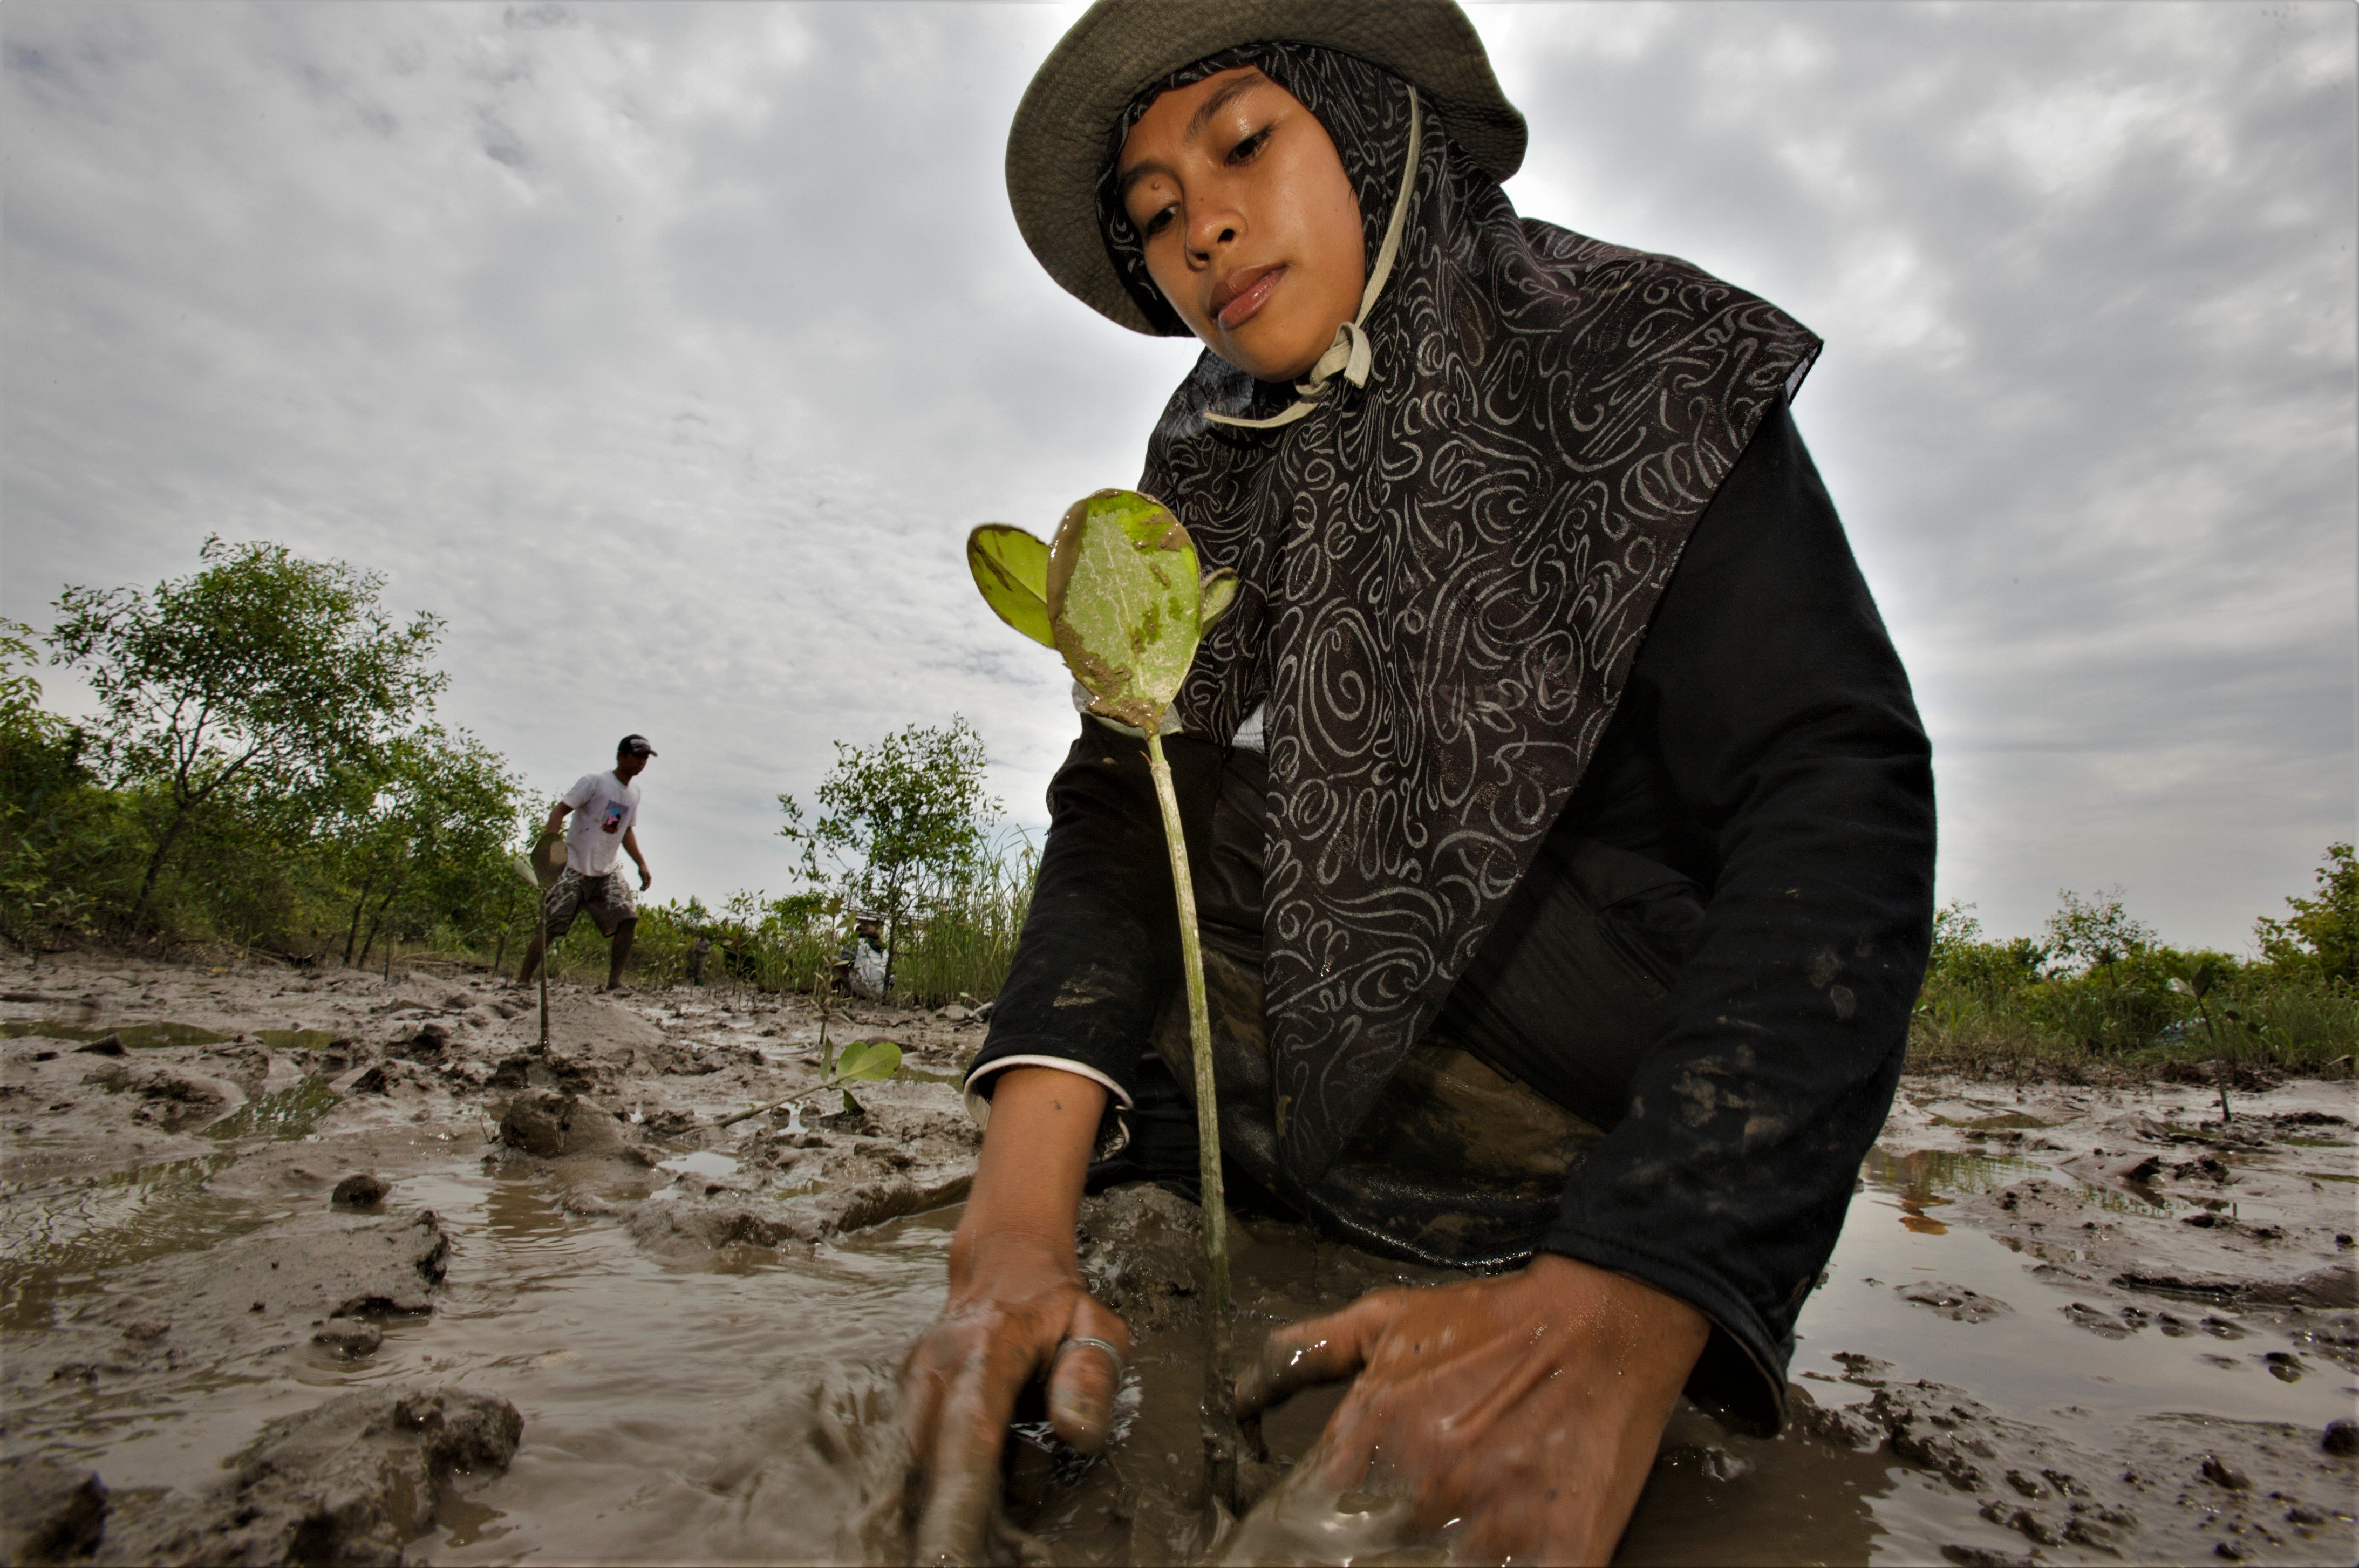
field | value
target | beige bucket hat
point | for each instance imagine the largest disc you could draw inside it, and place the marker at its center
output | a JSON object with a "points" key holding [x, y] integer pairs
{"points": [[1057, 148]]}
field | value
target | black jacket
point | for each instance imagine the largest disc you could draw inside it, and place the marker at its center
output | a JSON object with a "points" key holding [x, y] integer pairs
{"points": [[1765, 747]]}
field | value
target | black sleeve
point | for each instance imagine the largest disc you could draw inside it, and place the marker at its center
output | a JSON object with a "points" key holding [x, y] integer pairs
{"points": [[1779, 713], [1101, 942]]}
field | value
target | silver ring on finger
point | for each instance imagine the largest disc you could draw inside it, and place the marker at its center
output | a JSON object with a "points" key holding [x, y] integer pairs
{"points": [[1095, 1342]]}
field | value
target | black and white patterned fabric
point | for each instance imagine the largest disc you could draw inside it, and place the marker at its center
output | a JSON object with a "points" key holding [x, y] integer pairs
{"points": [[1445, 575]]}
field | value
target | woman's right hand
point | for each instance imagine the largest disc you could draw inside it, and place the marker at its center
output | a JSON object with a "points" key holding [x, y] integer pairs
{"points": [[1013, 1307], [1016, 1302]]}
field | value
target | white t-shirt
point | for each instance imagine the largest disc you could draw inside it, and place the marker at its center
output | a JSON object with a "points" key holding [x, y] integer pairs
{"points": [[603, 809]]}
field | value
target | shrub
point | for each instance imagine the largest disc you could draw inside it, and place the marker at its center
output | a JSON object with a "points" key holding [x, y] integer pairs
{"points": [[2101, 993]]}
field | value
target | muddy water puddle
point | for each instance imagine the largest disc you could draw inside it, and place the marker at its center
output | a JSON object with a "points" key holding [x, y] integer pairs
{"points": [[687, 1398], [63, 1238], [64, 1241], [1955, 1306], [679, 1412], [140, 1036]]}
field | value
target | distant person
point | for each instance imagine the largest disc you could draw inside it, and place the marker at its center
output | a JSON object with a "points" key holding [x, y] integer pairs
{"points": [[605, 812], [860, 967]]}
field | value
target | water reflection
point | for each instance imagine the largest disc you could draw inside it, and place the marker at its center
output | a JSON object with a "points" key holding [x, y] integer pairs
{"points": [[1922, 1175], [60, 1238], [2053, 1348], [296, 1039], [281, 1113], [142, 1036]]}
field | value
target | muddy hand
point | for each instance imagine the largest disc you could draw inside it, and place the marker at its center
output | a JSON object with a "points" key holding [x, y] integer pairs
{"points": [[1527, 1405], [1016, 1303]]}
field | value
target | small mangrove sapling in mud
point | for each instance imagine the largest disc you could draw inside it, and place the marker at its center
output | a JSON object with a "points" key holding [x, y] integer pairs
{"points": [[862, 1062], [1118, 594], [547, 864], [2197, 981]]}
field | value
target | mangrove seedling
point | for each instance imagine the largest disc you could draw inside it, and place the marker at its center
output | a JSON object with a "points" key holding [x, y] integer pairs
{"points": [[547, 864], [2197, 981], [1120, 596], [862, 1062]]}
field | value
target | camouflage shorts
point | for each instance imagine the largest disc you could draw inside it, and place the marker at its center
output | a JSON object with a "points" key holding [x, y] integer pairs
{"points": [[608, 900]]}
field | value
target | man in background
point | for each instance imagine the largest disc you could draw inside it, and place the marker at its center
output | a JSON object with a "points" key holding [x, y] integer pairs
{"points": [[860, 967], [605, 812]]}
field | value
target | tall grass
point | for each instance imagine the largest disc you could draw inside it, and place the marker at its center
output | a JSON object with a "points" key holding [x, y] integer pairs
{"points": [[962, 944]]}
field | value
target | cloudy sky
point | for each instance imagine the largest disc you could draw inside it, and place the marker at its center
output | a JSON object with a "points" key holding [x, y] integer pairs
{"points": [[668, 352]]}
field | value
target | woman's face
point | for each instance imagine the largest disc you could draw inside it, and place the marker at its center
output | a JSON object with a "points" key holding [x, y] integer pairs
{"points": [[1250, 224]]}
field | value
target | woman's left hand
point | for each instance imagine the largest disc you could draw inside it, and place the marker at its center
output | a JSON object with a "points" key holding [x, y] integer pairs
{"points": [[1529, 1406]]}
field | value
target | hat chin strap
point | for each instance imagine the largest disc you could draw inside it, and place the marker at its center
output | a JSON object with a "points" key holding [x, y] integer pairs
{"points": [[1350, 353]]}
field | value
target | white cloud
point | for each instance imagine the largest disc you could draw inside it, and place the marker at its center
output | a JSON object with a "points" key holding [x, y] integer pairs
{"points": [[668, 352]]}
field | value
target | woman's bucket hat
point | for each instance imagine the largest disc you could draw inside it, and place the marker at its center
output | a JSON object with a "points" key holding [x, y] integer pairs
{"points": [[1057, 148]]}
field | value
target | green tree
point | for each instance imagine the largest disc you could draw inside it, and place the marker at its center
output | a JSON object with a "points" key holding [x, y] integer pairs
{"points": [[2093, 933], [426, 829], [900, 822], [46, 871], [1963, 960], [2322, 932], [261, 676]]}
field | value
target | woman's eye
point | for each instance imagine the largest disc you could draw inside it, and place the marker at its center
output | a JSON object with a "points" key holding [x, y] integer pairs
{"points": [[1156, 223], [1243, 151]]}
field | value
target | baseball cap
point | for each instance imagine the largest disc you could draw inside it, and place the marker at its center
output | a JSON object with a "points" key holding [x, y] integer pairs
{"points": [[636, 745]]}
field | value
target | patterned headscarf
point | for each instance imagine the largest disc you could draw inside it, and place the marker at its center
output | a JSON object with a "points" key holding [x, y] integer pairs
{"points": [[1444, 576]]}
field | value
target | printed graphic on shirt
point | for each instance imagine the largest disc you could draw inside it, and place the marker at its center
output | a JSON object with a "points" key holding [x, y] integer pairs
{"points": [[615, 811]]}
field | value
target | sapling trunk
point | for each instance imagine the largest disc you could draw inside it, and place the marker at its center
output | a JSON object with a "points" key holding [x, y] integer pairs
{"points": [[1200, 1040], [823, 993], [2221, 1071], [1220, 1432]]}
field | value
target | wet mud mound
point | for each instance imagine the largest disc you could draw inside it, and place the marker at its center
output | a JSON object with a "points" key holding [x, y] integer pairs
{"points": [[355, 1481]]}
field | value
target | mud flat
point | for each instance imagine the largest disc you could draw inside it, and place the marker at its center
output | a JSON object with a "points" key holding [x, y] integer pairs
{"points": [[330, 1266]]}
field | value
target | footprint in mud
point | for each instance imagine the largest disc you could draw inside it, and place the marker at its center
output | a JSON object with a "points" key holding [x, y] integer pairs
{"points": [[2097, 1321], [1955, 1302], [2284, 1366]]}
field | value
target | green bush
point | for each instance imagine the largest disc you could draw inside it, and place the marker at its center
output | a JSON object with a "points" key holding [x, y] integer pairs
{"points": [[2102, 995], [2322, 934]]}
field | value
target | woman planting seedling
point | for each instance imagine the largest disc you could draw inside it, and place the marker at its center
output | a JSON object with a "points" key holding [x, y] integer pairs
{"points": [[1559, 820]]}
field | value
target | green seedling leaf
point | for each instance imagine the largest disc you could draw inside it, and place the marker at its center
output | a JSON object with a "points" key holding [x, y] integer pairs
{"points": [[866, 1061], [1011, 568], [1125, 602], [850, 1105]]}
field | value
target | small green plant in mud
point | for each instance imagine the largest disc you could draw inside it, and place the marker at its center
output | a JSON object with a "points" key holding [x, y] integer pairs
{"points": [[1119, 595], [2196, 981], [862, 1062]]}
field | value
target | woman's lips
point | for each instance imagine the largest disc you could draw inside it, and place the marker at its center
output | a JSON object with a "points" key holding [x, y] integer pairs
{"points": [[1243, 292]]}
